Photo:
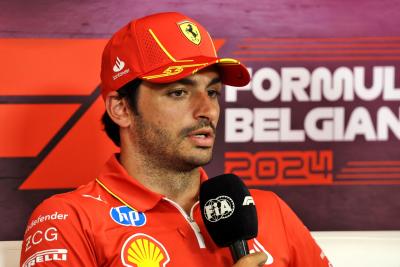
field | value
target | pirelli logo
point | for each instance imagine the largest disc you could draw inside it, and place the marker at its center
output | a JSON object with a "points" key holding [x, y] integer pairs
{"points": [[46, 256]]}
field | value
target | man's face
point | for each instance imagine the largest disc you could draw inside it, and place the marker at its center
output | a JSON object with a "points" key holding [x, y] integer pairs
{"points": [[175, 127]]}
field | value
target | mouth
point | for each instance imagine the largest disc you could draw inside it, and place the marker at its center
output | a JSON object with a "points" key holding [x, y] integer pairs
{"points": [[202, 137]]}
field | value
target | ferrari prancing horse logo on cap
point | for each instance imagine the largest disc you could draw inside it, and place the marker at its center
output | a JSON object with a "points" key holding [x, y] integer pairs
{"points": [[191, 31]]}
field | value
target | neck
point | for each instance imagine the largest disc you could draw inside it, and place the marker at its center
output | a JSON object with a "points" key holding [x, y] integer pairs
{"points": [[181, 187]]}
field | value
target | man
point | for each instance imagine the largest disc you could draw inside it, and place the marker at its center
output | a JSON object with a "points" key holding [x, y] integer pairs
{"points": [[161, 79]]}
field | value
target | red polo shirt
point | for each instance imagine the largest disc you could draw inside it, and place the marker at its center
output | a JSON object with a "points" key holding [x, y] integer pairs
{"points": [[116, 221]]}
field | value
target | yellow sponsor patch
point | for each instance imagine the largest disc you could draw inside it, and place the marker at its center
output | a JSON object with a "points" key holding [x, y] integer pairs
{"points": [[191, 31], [141, 250], [173, 70]]}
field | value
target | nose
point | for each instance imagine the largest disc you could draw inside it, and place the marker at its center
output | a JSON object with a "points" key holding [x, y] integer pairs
{"points": [[206, 107]]}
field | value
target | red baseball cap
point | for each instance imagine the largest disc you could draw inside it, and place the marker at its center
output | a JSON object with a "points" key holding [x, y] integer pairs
{"points": [[163, 48]]}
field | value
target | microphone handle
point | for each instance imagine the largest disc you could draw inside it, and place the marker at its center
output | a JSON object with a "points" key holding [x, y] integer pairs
{"points": [[239, 249]]}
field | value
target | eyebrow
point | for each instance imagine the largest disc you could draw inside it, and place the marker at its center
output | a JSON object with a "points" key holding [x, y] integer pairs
{"points": [[188, 81]]}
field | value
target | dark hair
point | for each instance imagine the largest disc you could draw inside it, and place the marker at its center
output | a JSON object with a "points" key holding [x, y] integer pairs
{"points": [[130, 92]]}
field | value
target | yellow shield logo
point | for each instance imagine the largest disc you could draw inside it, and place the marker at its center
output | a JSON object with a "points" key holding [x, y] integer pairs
{"points": [[191, 31], [141, 250]]}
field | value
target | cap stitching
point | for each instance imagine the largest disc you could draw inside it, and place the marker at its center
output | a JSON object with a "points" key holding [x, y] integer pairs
{"points": [[161, 46], [174, 70], [165, 50], [138, 46]]}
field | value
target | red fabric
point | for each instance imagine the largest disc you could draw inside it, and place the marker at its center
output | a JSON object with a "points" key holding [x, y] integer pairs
{"points": [[163, 48], [84, 228]]}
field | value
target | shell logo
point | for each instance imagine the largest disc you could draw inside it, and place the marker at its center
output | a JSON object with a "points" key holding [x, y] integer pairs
{"points": [[141, 250]]}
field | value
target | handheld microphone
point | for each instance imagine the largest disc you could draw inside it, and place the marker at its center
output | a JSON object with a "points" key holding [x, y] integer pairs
{"points": [[229, 213]]}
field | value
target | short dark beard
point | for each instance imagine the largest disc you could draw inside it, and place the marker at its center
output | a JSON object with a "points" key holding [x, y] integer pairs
{"points": [[162, 156]]}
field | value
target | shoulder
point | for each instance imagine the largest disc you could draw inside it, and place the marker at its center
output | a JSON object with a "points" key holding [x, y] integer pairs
{"points": [[271, 205], [263, 193], [269, 208], [265, 198], [61, 208], [60, 227], [71, 198], [271, 201]]}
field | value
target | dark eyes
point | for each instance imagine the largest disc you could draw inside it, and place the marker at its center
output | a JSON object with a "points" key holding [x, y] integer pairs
{"points": [[178, 93], [213, 93]]}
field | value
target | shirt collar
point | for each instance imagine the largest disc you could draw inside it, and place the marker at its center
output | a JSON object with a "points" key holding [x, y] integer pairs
{"points": [[116, 181]]}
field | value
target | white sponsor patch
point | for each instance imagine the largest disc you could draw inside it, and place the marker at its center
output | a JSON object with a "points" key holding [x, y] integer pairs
{"points": [[58, 254], [121, 74], [49, 235], [119, 65], [47, 217]]}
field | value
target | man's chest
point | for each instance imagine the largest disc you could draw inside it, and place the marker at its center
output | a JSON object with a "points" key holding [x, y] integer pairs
{"points": [[164, 236], [160, 237]]}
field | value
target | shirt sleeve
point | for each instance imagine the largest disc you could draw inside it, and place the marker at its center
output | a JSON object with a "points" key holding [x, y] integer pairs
{"points": [[304, 251], [56, 236]]}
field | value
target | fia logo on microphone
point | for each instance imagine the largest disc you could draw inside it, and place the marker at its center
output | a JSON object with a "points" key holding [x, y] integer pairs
{"points": [[219, 208]]}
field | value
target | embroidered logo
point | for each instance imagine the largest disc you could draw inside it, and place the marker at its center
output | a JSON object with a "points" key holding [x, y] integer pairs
{"points": [[190, 31], [98, 198], [119, 65], [49, 255], [124, 215], [141, 250]]}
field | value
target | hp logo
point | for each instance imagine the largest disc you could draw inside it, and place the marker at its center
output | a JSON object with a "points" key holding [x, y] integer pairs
{"points": [[126, 216]]}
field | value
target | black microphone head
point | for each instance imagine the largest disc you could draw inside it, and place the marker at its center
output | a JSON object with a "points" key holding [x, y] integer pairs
{"points": [[228, 210]]}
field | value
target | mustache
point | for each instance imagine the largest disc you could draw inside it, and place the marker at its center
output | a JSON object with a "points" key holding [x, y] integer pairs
{"points": [[203, 123]]}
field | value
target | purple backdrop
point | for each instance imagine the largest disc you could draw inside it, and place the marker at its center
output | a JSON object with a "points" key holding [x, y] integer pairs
{"points": [[334, 207]]}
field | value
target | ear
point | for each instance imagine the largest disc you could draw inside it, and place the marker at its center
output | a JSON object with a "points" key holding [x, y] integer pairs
{"points": [[118, 109]]}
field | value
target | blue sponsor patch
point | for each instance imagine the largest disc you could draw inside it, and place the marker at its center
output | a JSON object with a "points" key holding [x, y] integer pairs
{"points": [[126, 216]]}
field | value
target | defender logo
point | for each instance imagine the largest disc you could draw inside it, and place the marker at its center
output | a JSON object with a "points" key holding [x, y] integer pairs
{"points": [[125, 216], [119, 65], [190, 31], [219, 208]]}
